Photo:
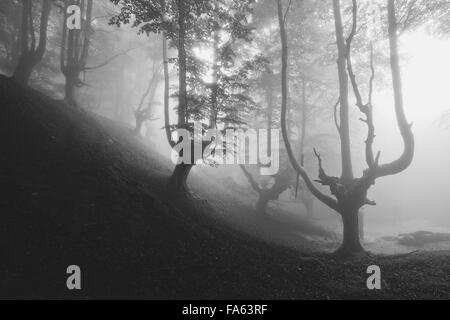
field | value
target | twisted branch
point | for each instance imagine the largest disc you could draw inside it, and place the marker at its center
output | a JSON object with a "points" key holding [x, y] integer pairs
{"points": [[332, 203], [251, 180]]}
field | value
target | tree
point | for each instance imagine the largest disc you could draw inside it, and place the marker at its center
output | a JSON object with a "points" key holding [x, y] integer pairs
{"points": [[310, 101], [178, 22], [142, 113], [75, 48], [223, 99], [172, 19], [10, 33], [350, 193], [31, 53]]}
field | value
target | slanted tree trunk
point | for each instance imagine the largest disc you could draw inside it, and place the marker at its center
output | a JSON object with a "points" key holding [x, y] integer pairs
{"points": [[31, 55]]}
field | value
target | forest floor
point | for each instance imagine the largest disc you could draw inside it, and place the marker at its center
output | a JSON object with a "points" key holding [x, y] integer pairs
{"points": [[78, 189]]}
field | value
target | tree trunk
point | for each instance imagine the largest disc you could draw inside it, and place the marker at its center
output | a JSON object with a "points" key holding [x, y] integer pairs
{"points": [[178, 180], [262, 203], [351, 243], [344, 132], [24, 69], [308, 202], [74, 52], [139, 122], [15, 36], [71, 80], [166, 91], [182, 99], [148, 131], [31, 56], [20, 73], [215, 69], [361, 225]]}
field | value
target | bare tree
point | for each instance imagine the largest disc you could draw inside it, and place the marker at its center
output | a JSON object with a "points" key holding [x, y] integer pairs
{"points": [[350, 193], [75, 49], [142, 113], [282, 181], [31, 52]]}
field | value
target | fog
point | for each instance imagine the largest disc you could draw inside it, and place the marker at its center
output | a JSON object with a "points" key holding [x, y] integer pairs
{"points": [[415, 200], [121, 63], [418, 198]]}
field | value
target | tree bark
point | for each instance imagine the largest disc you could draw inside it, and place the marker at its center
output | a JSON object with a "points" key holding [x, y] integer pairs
{"points": [[361, 225], [262, 203], [23, 70], [70, 87], [214, 86], [31, 56], [166, 92], [74, 51], [182, 102], [139, 122], [351, 243], [351, 193], [405, 160], [344, 132], [329, 201], [308, 202], [178, 180]]}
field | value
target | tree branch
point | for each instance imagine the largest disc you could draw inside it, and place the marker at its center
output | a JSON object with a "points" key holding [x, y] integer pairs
{"points": [[250, 178], [31, 25], [332, 182], [62, 54], [108, 60], [346, 154], [46, 8], [405, 160], [366, 109], [336, 122], [330, 202], [351, 74]]}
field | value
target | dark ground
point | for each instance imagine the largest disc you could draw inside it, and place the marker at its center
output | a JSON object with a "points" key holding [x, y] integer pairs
{"points": [[78, 189]]}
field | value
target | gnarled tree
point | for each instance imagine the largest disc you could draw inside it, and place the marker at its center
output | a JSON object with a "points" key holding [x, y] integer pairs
{"points": [[31, 51], [75, 49], [349, 194]]}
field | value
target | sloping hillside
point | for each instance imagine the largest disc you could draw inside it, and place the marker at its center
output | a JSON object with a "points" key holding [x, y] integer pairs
{"points": [[78, 189]]}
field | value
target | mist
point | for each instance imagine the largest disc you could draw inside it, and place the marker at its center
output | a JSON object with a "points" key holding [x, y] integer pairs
{"points": [[356, 92]]}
